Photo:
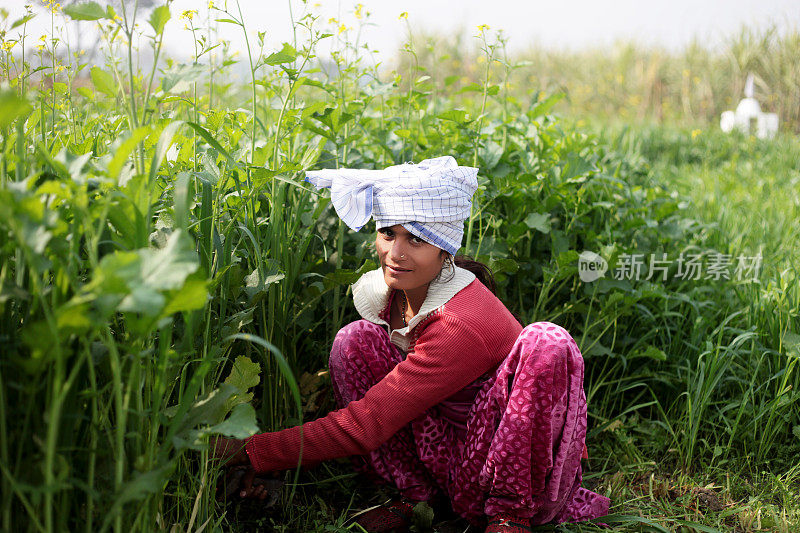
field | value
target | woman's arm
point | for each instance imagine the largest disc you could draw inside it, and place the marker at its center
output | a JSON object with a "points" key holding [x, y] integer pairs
{"points": [[448, 355]]}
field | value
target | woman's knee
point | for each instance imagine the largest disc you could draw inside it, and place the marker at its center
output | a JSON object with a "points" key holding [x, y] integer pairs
{"points": [[351, 340], [547, 338]]}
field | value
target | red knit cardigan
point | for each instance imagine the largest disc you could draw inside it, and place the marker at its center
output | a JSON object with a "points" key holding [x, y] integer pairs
{"points": [[456, 344]]}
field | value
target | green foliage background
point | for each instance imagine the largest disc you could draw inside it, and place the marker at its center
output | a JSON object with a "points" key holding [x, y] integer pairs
{"points": [[167, 275]]}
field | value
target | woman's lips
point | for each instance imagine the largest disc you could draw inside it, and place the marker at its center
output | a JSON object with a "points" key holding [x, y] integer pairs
{"points": [[396, 270]]}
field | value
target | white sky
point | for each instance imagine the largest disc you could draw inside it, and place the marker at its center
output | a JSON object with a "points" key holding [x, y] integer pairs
{"points": [[552, 23]]}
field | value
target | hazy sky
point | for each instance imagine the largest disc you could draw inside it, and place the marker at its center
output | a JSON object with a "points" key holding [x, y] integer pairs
{"points": [[565, 23]]}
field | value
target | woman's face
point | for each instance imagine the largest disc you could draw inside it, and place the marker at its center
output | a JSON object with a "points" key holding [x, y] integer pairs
{"points": [[407, 261]]}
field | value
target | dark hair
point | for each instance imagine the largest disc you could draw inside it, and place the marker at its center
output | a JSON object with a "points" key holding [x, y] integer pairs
{"points": [[481, 271]]}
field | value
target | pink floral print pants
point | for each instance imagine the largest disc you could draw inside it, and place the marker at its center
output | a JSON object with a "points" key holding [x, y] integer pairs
{"points": [[524, 436]]}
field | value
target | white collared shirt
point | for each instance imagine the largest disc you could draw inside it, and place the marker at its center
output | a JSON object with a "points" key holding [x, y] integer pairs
{"points": [[371, 296]]}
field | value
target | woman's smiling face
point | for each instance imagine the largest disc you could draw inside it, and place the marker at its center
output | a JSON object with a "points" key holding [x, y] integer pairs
{"points": [[408, 262]]}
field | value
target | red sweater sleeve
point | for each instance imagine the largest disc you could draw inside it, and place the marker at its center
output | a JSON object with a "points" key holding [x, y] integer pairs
{"points": [[432, 372]]}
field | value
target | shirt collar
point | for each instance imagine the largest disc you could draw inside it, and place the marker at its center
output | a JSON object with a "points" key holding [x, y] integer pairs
{"points": [[371, 294]]}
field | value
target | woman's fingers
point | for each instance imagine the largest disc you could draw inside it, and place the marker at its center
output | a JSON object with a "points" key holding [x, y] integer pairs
{"points": [[251, 487], [247, 482]]}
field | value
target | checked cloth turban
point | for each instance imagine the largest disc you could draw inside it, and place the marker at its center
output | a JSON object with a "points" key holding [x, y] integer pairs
{"points": [[431, 199]]}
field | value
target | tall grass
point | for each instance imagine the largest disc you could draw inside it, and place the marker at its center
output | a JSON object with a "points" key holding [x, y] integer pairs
{"points": [[629, 82], [166, 274]]}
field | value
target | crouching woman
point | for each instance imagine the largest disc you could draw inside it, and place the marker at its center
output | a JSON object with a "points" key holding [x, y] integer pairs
{"points": [[442, 392]]}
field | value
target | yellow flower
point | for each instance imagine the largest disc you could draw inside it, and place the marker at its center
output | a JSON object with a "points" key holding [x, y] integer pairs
{"points": [[43, 38], [8, 45], [333, 21], [358, 13], [189, 14], [117, 18], [695, 133], [342, 28], [483, 27], [210, 5], [403, 16], [40, 47]]}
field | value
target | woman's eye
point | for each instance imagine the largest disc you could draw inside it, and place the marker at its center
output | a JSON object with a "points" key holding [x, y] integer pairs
{"points": [[416, 240]]}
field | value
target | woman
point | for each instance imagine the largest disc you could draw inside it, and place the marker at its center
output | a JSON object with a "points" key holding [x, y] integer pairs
{"points": [[442, 392]]}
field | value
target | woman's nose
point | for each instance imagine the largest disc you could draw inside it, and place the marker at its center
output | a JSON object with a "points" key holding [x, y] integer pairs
{"points": [[398, 250]]}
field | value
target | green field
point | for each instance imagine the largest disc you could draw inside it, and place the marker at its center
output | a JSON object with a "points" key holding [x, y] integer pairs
{"points": [[166, 275]]}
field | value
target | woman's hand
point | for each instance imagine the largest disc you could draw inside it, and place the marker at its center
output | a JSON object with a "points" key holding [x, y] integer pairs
{"points": [[242, 481], [259, 488], [230, 451]]}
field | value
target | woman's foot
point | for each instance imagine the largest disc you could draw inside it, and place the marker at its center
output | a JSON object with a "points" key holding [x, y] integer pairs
{"points": [[508, 523], [396, 517]]}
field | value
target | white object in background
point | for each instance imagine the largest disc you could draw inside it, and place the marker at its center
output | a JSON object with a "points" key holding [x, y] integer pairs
{"points": [[727, 121], [748, 116]]}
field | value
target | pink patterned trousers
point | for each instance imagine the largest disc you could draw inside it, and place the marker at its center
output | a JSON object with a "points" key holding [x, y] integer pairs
{"points": [[524, 437]]}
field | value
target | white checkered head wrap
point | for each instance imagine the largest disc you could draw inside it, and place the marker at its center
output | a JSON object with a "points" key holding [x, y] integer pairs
{"points": [[431, 199]]}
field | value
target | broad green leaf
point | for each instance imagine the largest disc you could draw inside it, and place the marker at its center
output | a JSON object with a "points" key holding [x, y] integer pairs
{"points": [[538, 221], [423, 516], [283, 366], [85, 11], [543, 106], [103, 81], [490, 155], [244, 374], [255, 285], [651, 352], [20, 21], [168, 268], [459, 116], [286, 55], [206, 411], [506, 265], [138, 488], [791, 343], [158, 18], [239, 425], [74, 318], [192, 296], [141, 277], [342, 276], [179, 78], [471, 88], [12, 107], [124, 150]]}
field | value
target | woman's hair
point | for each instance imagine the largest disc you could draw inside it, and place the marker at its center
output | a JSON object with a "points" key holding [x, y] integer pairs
{"points": [[481, 271]]}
